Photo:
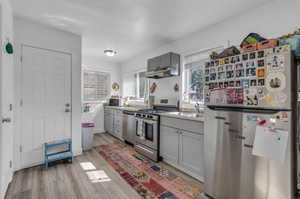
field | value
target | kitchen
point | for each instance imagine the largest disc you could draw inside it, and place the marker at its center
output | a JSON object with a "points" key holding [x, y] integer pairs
{"points": [[158, 102], [225, 130]]}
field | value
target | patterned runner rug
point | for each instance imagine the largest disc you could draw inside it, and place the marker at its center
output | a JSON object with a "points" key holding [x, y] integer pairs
{"points": [[149, 179]]}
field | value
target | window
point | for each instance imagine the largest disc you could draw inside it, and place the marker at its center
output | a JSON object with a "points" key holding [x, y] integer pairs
{"points": [[193, 78], [95, 86], [141, 87], [194, 82]]}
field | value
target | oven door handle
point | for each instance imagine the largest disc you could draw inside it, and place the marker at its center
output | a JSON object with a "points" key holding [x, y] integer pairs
{"points": [[142, 148], [149, 121]]}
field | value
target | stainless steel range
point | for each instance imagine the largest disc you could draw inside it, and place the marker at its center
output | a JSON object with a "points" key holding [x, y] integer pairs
{"points": [[147, 130]]}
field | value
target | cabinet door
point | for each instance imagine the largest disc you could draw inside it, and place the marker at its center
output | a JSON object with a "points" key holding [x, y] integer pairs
{"points": [[111, 122], [191, 155], [169, 144], [118, 124], [165, 60], [107, 113], [106, 117], [151, 64]]}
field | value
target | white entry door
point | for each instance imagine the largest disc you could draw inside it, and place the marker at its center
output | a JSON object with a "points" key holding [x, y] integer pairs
{"points": [[45, 103], [6, 113]]}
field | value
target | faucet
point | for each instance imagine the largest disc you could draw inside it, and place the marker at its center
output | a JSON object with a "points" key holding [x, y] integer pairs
{"points": [[197, 107]]}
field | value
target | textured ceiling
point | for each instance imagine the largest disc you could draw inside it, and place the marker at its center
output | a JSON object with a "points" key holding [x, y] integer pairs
{"points": [[130, 26]]}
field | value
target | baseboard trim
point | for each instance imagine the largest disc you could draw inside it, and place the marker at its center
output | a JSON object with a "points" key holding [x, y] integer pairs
{"points": [[5, 189], [77, 152], [98, 130]]}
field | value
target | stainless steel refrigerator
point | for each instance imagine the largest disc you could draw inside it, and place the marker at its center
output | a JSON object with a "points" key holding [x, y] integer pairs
{"points": [[245, 93]]}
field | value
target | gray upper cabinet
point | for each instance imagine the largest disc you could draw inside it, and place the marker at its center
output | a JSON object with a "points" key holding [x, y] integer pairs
{"points": [[165, 65], [152, 64]]}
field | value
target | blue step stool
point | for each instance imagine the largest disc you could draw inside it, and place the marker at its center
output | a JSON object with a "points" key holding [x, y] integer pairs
{"points": [[58, 150]]}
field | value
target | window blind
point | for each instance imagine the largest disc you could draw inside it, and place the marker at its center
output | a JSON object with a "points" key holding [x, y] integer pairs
{"points": [[95, 86]]}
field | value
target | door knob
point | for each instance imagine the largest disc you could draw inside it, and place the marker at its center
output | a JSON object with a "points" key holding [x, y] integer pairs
{"points": [[6, 120], [67, 110]]}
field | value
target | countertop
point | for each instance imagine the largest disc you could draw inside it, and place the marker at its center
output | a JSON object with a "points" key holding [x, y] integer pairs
{"points": [[185, 116], [123, 108], [179, 115]]}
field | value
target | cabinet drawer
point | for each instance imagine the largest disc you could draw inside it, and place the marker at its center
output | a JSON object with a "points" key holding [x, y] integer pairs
{"points": [[118, 121], [187, 125]]}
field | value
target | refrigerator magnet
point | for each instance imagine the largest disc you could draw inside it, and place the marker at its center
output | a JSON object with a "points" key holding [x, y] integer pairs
{"points": [[251, 91], [261, 73], [245, 57], [281, 98], [207, 64], [269, 100], [261, 54], [261, 82], [245, 83], [252, 55], [276, 63], [226, 60], [276, 82], [222, 62], [261, 63], [252, 118], [260, 93]]}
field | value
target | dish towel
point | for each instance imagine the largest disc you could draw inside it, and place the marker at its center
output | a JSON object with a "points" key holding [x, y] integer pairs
{"points": [[140, 128]]}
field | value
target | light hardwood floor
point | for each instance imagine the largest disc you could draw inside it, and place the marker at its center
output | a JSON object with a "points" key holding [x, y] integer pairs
{"points": [[66, 181]]}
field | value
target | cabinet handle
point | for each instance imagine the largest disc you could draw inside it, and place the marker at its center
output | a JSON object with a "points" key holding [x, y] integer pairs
{"points": [[220, 118], [248, 146]]}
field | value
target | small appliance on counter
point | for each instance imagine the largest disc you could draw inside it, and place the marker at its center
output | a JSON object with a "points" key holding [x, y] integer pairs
{"points": [[115, 102], [148, 126]]}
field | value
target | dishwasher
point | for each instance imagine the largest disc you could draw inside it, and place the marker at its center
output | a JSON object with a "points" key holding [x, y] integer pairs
{"points": [[129, 126]]}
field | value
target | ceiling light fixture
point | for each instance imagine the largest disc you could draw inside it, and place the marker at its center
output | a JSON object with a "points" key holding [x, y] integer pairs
{"points": [[110, 53]]}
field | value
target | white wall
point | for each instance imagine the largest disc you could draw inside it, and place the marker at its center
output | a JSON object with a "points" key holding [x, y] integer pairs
{"points": [[6, 64], [165, 88], [114, 70], [271, 20], [38, 35]]}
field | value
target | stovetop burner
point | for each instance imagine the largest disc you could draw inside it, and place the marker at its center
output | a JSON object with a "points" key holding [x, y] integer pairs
{"points": [[150, 111], [158, 109]]}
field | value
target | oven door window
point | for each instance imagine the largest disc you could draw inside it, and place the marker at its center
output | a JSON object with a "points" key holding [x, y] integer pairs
{"points": [[149, 131], [137, 128]]}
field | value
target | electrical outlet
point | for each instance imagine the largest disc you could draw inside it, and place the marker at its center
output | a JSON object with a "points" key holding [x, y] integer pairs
{"points": [[10, 164]]}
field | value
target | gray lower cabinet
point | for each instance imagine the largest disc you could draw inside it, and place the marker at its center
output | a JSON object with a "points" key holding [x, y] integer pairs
{"points": [[182, 148], [169, 142], [108, 120], [191, 156], [113, 121]]}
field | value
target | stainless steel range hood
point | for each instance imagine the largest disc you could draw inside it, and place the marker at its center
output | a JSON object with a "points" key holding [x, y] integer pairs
{"points": [[166, 65]]}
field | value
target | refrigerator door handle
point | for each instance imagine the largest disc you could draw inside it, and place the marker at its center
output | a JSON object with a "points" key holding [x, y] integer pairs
{"points": [[220, 118], [248, 146]]}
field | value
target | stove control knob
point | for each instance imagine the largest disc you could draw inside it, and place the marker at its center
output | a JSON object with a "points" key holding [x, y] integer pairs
{"points": [[150, 116]]}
